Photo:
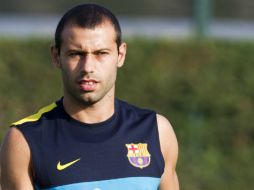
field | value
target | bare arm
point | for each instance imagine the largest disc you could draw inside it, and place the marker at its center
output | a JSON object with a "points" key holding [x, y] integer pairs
{"points": [[15, 162], [169, 148]]}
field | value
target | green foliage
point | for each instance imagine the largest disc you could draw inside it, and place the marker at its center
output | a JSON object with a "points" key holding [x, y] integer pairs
{"points": [[205, 88], [28, 80]]}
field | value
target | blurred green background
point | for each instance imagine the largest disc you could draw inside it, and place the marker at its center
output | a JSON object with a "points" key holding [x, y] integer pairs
{"points": [[203, 86]]}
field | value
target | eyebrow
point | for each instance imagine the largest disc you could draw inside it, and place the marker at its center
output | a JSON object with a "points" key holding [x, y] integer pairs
{"points": [[81, 50], [103, 49]]}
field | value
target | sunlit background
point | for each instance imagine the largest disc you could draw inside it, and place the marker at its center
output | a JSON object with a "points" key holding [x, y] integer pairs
{"points": [[227, 19], [191, 60]]}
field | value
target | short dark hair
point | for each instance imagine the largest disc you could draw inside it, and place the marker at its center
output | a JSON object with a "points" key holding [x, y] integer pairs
{"points": [[87, 16]]}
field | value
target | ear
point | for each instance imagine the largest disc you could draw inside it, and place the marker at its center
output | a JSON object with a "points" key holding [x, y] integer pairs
{"points": [[55, 58], [121, 54]]}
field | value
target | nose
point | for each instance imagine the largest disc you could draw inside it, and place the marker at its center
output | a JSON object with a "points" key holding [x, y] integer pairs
{"points": [[87, 63]]}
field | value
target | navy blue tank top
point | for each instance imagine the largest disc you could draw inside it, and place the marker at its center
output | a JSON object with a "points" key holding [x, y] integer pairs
{"points": [[122, 152]]}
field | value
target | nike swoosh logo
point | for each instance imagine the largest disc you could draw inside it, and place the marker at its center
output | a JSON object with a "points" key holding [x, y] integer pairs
{"points": [[62, 167]]}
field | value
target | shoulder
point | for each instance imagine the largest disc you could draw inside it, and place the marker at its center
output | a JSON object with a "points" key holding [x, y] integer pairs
{"points": [[35, 117], [14, 142], [14, 146], [168, 140], [15, 160], [169, 148]]}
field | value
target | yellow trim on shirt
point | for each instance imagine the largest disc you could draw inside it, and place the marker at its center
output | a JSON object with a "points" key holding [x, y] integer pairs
{"points": [[36, 116]]}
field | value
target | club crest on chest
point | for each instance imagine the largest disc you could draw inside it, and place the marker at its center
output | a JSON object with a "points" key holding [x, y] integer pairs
{"points": [[138, 155]]}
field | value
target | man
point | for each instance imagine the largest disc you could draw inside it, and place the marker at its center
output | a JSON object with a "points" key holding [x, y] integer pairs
{"points": [[89, 139]]}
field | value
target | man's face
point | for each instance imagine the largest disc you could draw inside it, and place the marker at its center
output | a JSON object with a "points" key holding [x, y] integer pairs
{"points": [[89, 59]]}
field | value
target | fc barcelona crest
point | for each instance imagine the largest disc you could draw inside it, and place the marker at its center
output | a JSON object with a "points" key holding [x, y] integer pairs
{"points": [[138, 155]]}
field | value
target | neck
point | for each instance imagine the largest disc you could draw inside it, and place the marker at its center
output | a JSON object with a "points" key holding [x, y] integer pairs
{"points": [[94, 113]]}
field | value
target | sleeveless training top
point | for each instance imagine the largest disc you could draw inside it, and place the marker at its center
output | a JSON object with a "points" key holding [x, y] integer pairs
{"points": [[121, 153]]}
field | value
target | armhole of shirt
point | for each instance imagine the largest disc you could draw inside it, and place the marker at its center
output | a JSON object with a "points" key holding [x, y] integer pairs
{"points": [[161, 158], [28, 135], [28, 141]]}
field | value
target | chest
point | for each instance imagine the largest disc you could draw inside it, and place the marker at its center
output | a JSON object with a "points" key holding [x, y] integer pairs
{"points": [[64, 157]]}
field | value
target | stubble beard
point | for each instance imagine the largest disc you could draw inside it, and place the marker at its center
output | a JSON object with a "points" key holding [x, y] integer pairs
{"points": [[84, 99]]}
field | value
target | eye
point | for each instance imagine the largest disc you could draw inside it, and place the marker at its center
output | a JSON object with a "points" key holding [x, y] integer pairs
{"points": [[101, 53], [73, 54]]}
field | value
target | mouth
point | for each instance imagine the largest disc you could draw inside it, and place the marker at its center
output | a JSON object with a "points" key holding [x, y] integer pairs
{"points": [[88, 85]]}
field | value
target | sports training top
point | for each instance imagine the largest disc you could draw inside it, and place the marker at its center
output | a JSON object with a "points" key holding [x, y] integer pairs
{"points": [[122, 152]]}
